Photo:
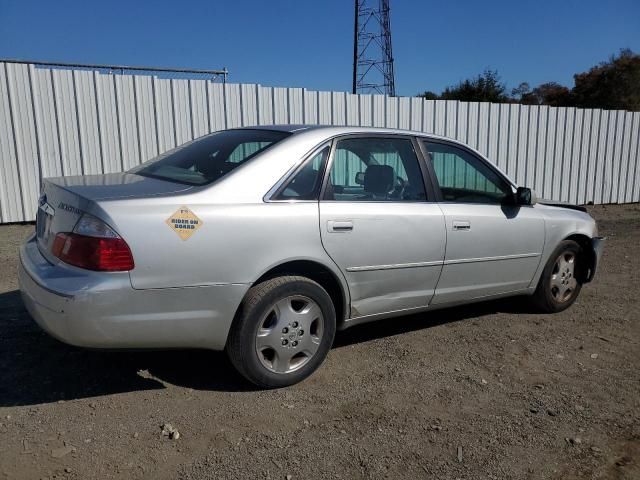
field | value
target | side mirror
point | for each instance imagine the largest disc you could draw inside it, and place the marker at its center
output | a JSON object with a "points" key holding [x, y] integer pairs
{"points": [[360, 178], [524, 196]]}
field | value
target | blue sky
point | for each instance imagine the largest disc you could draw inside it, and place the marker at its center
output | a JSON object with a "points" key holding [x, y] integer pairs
{"points": [[309, 43]]}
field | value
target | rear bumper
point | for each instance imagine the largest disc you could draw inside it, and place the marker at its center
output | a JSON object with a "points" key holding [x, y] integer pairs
{"points": [[102, 310], [597, 245]]}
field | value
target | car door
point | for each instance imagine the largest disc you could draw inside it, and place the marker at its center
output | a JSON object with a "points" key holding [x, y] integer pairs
{"points": [[493, 246], [379, 226]]}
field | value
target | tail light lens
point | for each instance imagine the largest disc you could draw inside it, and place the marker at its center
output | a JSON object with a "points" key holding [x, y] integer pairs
{"points": [[93, 245]]}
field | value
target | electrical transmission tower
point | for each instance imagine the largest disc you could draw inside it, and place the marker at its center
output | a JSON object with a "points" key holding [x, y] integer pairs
{"points": [[372, 56]]}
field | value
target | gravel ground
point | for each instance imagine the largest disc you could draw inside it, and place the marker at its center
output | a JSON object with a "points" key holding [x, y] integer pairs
{"points": [[481, 392]]}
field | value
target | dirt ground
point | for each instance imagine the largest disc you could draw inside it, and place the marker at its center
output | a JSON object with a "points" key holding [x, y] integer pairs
{"points": [[491, 391]]}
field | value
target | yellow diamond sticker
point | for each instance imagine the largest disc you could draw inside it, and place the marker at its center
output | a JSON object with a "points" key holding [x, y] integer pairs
{"points": [[184, 222]]}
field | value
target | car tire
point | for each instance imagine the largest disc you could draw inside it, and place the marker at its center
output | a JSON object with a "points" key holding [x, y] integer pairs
{"points": [[561, 279], [283, 331]]}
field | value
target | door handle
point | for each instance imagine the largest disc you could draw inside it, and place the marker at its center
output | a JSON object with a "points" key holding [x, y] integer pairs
{"points": [[339, 226], [461, 225]]}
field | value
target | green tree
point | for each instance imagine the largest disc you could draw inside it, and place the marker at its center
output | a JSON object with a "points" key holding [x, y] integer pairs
{"points": [[429, 95], [550, 93], [521, 91], [486, 87], [614, 84]]}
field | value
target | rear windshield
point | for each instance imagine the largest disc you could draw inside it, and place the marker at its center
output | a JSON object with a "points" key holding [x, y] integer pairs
{"points": [[209, 158]]}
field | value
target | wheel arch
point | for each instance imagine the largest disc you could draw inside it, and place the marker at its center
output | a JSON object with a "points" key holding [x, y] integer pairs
{"points": [[319, 273], [586, 243]]}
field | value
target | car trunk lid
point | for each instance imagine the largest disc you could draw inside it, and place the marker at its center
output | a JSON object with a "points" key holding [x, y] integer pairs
{"points": [[63, 200]]}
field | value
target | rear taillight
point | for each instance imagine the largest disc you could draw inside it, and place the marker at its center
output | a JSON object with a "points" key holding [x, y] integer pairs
{"points": [[93, 245]]}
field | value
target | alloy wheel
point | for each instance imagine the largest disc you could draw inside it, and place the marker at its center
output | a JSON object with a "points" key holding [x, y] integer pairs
{"points": [[289, 334], [563, 280]]}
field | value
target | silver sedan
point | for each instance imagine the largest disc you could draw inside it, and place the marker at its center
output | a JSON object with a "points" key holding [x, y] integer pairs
{"points": [[264, 241]]}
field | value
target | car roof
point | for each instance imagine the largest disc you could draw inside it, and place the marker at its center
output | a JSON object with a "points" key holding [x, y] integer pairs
{"points": [[299, 128]]}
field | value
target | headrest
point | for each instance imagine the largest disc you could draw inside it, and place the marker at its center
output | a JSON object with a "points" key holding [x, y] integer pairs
{"points": [[378, 179]]}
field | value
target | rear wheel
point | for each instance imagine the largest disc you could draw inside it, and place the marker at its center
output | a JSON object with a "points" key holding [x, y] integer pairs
{"points": [[561, 279], [283, 331]]}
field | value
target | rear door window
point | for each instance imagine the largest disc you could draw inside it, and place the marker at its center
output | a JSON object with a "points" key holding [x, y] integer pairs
{"points": [[375, 169]]}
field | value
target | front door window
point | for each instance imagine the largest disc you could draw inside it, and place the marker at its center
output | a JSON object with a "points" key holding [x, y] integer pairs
{"points": [[463, 178]]}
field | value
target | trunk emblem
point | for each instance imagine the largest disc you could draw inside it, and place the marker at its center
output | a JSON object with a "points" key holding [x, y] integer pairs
{"points": [[69, 208]]}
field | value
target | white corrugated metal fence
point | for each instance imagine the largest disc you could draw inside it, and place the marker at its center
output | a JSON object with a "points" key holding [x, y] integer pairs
{"points": [[71, 122]]}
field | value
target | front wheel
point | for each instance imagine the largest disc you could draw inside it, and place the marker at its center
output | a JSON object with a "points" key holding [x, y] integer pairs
{"points": [[283, 331], [561, 278]]}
